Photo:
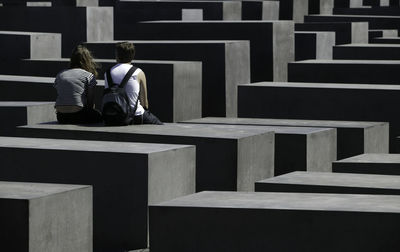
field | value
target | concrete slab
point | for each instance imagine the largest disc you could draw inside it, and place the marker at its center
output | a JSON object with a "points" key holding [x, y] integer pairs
{"points": [[20, 45], [349, 102], [46, 217], [260, 10], [345, 71], [226, 159], [96, 23], [384, 164], [216, 221], [129, 176], [326, 182], [345, 32], [51, 3], [296, 149], [268, 39], [353, 137], [24, 113], [225, 64], [376, 11], [374, 22], [372, 34], [320, 6], [367, 52], [388, 40], [314, 45], [174, 87]]}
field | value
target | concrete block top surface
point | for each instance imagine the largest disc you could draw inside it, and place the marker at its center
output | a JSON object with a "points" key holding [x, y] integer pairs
{"points": [[286, 122], [170, 41], [276, 129], [322, 85], [80, 145], [358, 62], [113, 61], [222, 21], [369, 45], [289, 201], [373, 158], [353, 16], [19, 190], [23, 103], [26, 33], [18, 78], [336, 179], [176, 130]]}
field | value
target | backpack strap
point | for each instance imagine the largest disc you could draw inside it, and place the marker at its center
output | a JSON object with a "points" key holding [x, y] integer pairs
{"points": [[124, 80]]}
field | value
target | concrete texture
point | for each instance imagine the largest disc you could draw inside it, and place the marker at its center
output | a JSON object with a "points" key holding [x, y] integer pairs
{"points": [[382, 33], [367, 52], [225, 64], [344, 31], [353, 137], [192, 14], [20, 45], [325, 182], [345, 71], [232, 10], [128, 177], [50, 3], [374, 22], [376, 11], [389, 40], [314, 45], [371, 163], [341, 102], [166, 82], [24, 113], [217, 221], [268, 39], [95, 22], [221, 154], [45, 217], [260, 10], [296, 149]]}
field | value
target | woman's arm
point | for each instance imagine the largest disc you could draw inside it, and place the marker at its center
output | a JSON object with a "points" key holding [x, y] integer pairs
{"points": [[143, 90]]}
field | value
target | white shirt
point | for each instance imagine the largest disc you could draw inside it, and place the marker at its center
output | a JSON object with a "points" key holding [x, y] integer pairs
{"points": [[132, 87]]}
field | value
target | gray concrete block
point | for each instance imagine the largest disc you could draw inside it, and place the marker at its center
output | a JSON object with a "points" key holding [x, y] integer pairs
{"points": [[296, 149], [344, 31], [349, 102], [353, 137], [225, 64], [50, 3], [88, 24], [24, 113], [271, 42], [46, 217], [373, 34], [260, 10], [326, 182], [375, 11], [15, 46], [174, 87], [192, 14], [222, 155], [126, 177], [387, 40], [371, 163], [232, 221], [374, 22], [314, 45], [345, 71], [367, 52]]}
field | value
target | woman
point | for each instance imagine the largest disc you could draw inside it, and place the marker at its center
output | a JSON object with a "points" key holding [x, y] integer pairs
{"points": [[75, 90]]}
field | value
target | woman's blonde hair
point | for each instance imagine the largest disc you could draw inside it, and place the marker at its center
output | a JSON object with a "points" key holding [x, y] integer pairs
{"points": [[82, 58]]}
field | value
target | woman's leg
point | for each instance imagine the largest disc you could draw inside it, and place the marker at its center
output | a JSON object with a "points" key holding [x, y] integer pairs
{"points": [[149, 118]]}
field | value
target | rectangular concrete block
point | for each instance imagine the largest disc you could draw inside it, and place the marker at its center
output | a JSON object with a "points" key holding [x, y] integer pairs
{"points": [[126, 177], [296, 148], [320, 6], [388, 40], [15, 46], [371, 163], [46, 217], [260, 10], [367, 52], [24, 113], [271, 42], [225, 64], [314, 45], [382, 33], [345, 71], [344, 31], [174, 87], [353, 137], [88, 24], [348, 102], [326, 182], [192, 14], [232, 221], [50, 3], [375, 11], [221, 154]]}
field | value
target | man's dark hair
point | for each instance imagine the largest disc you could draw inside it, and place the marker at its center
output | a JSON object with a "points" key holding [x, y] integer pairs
{"points": [[124, 52]]}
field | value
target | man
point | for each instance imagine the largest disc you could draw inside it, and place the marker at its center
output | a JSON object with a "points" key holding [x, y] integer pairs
{"points": [[135, 88]]}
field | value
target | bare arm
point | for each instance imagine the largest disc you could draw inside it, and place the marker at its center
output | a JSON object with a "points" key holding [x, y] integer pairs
{"points": [[143, 90]]}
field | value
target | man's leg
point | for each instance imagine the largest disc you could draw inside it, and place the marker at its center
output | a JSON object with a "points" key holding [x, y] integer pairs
{"points": [[149, 118]]}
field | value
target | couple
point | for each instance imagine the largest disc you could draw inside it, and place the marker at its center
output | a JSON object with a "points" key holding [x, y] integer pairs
{"points": [[76, 86]]}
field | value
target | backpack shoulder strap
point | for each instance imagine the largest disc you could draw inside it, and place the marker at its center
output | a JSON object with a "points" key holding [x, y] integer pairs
{"points": [[127, 76], [109, 79]]}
